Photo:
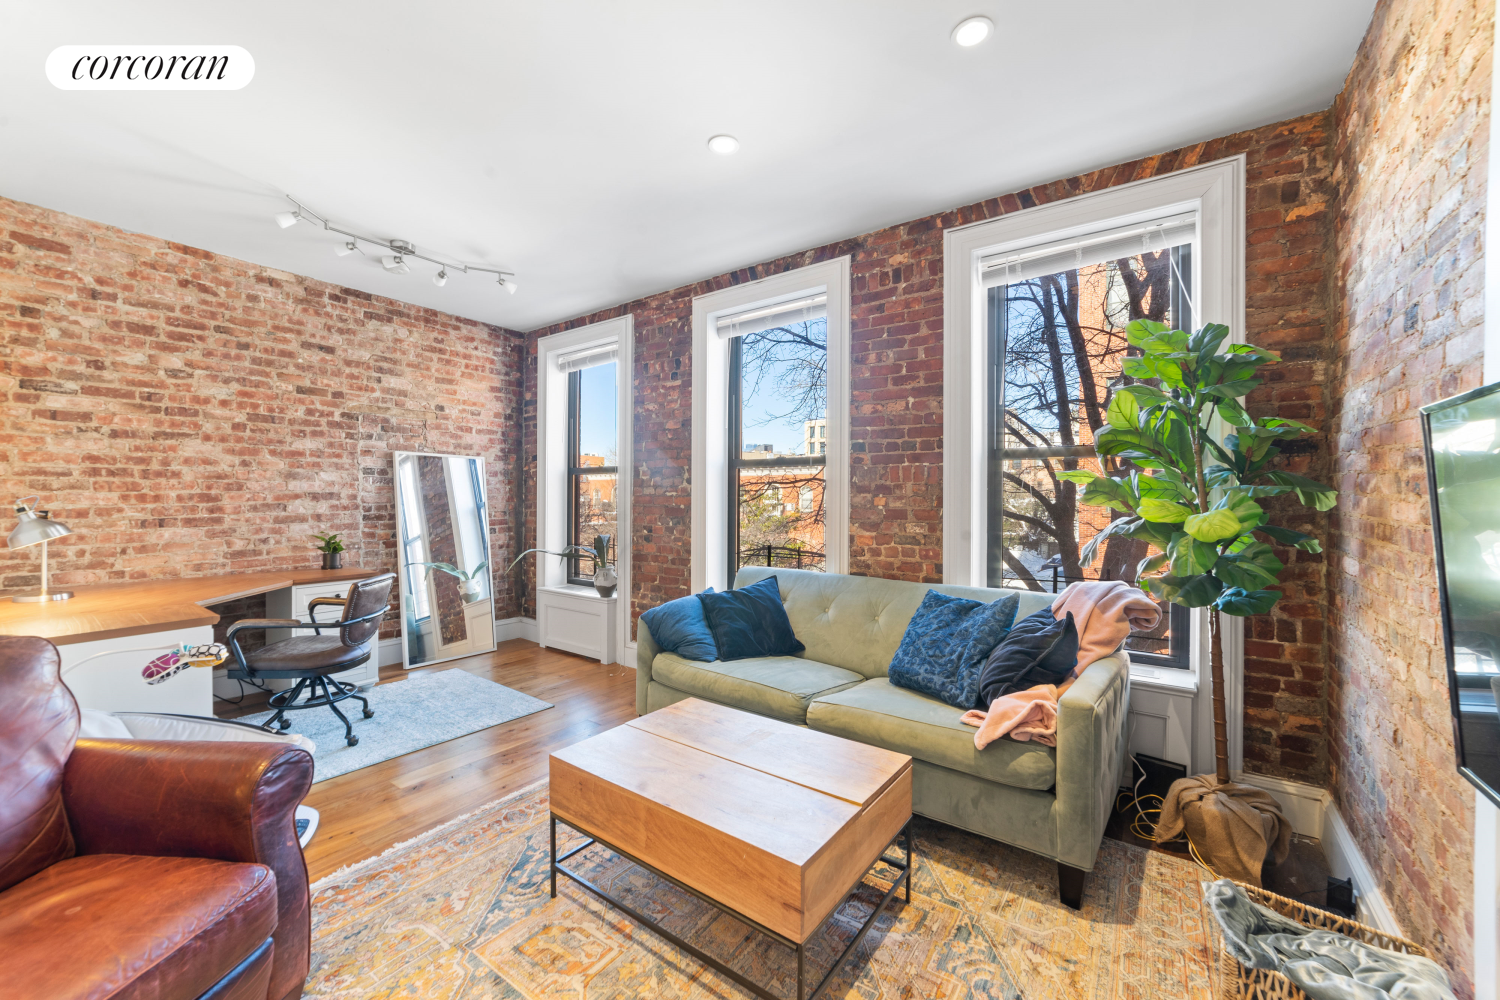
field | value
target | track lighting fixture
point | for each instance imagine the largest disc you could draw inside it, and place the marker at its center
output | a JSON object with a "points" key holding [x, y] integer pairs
{"points": [[402, 251]]}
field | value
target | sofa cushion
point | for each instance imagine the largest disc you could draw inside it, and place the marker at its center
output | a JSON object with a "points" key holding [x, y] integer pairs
{"points": [[128, 927], [776, 686], [857, 622], [881, 714]]}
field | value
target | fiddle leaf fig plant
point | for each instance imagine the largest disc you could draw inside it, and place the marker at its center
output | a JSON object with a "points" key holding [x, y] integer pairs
{"points": [[1194, 498]]}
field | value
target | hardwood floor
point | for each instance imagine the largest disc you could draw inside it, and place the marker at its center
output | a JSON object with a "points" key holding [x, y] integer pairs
{"points": [[366, 811]]}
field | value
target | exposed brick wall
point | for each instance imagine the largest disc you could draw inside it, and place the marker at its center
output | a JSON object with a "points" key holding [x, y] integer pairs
{"points": [[896, 419], [1412, 150], [191, 414]]}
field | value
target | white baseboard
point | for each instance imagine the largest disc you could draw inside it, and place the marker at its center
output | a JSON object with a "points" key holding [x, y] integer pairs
{"points": [[1313, 814], [1346, 861], [629, 656], [1302, 804], [516, 628], [389, 654]]}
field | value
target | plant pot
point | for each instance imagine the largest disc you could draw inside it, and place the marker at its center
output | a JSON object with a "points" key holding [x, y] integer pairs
{"points": [[470, 590], [605, 581], [333, 560]]}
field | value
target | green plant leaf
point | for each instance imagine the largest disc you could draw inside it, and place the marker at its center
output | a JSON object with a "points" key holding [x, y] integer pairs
{"points": [[1150, 564], [1241, 603], [1083, 476], [1189, 556], [1123, 411], [1213, 526], [1312, 494], [1163, 511], [1112, 493], [1115, 441], [1195, 591], [1146, 395], [1286, 536], [1138, 331], [1207, 340], [1119, 526], [1249, 513]]}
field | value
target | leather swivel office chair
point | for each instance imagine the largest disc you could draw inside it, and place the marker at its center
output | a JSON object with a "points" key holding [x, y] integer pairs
{"points": [[311, 658]]}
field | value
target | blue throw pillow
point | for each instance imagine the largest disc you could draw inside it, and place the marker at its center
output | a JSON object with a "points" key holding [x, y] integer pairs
{"points": [[750, 621], [679, 627], [946, 643], [1040, 649]]}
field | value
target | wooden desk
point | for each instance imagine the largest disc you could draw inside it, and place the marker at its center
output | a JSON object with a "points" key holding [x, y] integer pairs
{"points": [[113, 610], [100, 662]]}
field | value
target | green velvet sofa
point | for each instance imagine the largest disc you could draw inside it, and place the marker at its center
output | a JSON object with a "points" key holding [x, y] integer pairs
{"points": [[1054, 802]]}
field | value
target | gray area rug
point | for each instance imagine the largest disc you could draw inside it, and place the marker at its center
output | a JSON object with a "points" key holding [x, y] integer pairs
{"points": [[417, 712]]}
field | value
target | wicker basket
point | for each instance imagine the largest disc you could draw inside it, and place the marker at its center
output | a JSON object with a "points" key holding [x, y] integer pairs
{"points": [[1240, 983]]}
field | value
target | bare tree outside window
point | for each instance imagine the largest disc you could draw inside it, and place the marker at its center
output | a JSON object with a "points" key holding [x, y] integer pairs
{"points": [[779, 393], [1058, 341]]}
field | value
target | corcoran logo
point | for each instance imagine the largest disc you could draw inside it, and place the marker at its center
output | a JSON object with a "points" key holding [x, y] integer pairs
{"points": [[150, 67]]}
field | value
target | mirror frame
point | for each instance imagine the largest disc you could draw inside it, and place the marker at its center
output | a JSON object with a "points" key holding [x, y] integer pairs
{"points": [[484, 493]]}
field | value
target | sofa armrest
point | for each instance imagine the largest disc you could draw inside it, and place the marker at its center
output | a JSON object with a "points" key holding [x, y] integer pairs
{"points": [[1090, 746], [645, 655], [225, 801]]}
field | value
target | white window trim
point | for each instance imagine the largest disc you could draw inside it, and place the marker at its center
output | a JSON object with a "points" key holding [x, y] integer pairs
{"points": [[710, 468], [552, 454], [1216, 191]]}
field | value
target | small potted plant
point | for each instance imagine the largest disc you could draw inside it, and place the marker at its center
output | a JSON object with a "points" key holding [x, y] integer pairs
{"points": [[605, 578], [332, 549], [470, 584]]}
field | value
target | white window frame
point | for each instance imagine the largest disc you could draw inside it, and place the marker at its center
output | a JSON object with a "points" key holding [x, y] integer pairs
{"points": [[710, 465], [552, 455], [1216, 193]]}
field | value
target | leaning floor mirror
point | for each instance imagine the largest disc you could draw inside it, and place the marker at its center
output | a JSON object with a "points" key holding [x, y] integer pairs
{"points": [[442, 527]]}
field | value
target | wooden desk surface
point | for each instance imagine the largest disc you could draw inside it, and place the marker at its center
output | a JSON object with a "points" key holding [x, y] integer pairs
{"points": [[112, 610]]}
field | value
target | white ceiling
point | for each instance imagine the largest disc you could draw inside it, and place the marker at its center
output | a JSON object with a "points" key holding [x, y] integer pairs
{"points": [[566, 141]]}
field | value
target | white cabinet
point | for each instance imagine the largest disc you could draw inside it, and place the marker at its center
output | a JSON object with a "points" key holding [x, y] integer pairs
{"points": [[106, 674], [578, 620]]}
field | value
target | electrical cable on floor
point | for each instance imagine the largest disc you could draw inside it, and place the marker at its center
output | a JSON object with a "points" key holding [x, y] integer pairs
{"points": [[1148, 814]]}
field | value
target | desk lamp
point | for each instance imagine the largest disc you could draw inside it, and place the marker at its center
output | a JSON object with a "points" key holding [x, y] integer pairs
{"points": [[36, 526]]}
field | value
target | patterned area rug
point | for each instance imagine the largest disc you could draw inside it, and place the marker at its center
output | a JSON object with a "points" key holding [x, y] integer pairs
{"points": [[463, 912]]}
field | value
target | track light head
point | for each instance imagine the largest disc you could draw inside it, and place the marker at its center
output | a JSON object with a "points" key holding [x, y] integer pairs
{"points": [[345, 249], [286, 219], [395, 264], [441, 278], [508, 283]]}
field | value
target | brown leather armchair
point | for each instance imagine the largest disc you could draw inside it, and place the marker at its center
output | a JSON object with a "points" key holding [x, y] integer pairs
{"points": [[141, 868]]}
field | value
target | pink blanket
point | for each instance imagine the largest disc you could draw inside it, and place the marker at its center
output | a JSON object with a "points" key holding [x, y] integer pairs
{"points": [[1105, 612]]}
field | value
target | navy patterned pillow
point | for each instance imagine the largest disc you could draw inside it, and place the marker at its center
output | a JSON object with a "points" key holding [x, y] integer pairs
{"points": [[946, 643]]}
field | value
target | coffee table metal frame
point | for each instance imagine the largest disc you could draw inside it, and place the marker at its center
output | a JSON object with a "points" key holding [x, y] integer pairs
{"points": [[799, 947]]}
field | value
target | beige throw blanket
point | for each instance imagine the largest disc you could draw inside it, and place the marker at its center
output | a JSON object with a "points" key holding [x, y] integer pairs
{"points": [[1235, 827], [1105, 611]]}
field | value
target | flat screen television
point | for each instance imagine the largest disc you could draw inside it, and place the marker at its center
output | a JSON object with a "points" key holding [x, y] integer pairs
{"points": [[1462, 439]]}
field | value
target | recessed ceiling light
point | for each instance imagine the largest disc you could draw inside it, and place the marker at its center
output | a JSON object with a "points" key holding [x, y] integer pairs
{"points": [[724, 144], [973, 30]]}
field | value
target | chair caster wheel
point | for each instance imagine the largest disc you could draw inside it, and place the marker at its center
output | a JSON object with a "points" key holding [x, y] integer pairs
{"points": [[353, 741], [285, 724], [369, 713]]}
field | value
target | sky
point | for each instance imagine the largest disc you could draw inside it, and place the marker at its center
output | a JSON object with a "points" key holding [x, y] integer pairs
{"points": [[597, 410]]}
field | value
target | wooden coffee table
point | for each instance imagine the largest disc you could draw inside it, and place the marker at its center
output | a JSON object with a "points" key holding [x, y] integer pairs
{"points": [[771, 823]]}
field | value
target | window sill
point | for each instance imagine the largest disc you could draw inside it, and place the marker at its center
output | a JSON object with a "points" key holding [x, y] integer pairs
{"points": [[574, 590], [1168, 679]]}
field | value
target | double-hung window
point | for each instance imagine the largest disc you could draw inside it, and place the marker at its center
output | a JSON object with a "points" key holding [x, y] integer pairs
{"points": [[1056, 318], [770, 425], [777, 393]]}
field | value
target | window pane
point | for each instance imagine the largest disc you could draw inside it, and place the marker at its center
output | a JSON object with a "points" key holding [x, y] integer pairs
{"points": [[1059, 344], [780, 445], [598, 415], [781, 517], [596, 446]]}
